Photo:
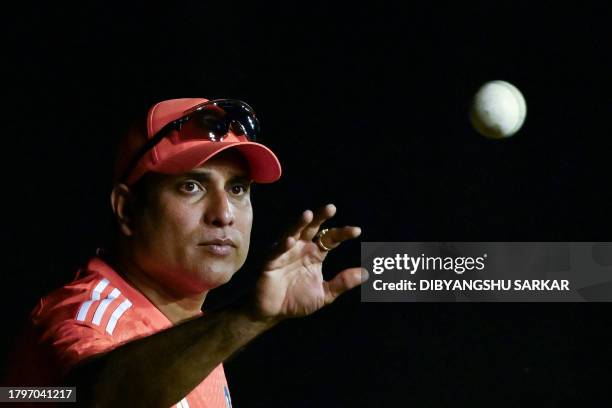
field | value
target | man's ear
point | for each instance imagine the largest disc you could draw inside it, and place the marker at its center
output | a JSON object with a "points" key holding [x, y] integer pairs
{"points": [[122, 201]]}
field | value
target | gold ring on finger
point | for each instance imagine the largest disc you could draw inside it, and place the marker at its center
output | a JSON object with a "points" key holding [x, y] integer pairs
{"points": [[319, 240]]}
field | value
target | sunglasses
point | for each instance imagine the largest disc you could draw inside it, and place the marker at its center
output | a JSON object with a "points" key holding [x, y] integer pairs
{"points": [[210, 121]]}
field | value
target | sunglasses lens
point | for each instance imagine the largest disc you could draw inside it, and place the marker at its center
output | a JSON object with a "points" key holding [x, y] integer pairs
{"points": [[242, 118], [237, 128], [210, 121], [214, 121]]}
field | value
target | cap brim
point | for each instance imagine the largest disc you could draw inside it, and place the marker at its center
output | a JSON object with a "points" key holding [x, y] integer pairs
{"points": [[264, 166]]}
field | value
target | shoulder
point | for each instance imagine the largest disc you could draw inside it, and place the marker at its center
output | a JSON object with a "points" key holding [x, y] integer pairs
{"points": [[90, 301], [79, 319], [101, 303], [95, 313]]}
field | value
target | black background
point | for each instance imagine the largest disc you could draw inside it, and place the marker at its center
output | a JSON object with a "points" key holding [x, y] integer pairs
{"points": [[366, 107]]}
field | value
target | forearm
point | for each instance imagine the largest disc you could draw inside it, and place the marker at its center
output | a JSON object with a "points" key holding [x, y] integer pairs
{"points": [[161, 369]]}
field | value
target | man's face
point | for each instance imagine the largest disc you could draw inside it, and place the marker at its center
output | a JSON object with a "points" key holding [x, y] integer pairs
{"points": [[194, 229]]}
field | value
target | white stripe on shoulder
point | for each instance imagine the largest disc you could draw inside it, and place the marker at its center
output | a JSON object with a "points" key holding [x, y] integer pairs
{"points": [[95, 295], [112, 322], [182, 403], [103, 305]]}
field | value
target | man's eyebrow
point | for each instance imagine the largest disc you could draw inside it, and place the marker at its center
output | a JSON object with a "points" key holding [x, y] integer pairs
{"points": [[205, 175], [241, 179]]}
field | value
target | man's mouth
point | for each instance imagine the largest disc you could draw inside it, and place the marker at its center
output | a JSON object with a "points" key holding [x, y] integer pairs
{"points": [[219, 247]]}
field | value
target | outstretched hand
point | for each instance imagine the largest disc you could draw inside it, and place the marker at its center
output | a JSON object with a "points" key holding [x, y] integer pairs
{"points": [[292, 284]]}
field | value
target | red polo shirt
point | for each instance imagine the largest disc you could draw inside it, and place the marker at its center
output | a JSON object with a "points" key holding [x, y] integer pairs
{"points": [[98, 311]]}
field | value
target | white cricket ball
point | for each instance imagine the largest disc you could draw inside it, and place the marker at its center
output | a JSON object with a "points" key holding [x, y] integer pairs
{"points": [[498, 110]]}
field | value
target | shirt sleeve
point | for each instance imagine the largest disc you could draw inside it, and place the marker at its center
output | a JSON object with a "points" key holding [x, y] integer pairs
{"points": [[72, 342], [44, 354]]}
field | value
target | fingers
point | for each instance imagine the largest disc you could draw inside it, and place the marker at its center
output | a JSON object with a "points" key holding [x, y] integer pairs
{"points": [[305, 219], [318, 218], [336, 236], [281, 254], [343, 281], [308, 225], [292, 235]]}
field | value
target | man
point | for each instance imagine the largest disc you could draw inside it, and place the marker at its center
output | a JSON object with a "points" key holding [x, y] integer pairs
{"points": [[129, 330]]}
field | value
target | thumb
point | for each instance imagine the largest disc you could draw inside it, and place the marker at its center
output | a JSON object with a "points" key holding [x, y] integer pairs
{"points": [[343, 281]]}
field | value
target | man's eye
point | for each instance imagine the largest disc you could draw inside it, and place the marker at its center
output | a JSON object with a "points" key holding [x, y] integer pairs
{"points": [[239, 189], [191, 187]]}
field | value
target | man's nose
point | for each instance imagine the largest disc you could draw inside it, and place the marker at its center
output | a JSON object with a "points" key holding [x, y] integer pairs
{"points": [[218, 211]]}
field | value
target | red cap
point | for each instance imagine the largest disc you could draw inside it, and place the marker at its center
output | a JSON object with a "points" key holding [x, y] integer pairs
{"points": [[172, 155]]}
